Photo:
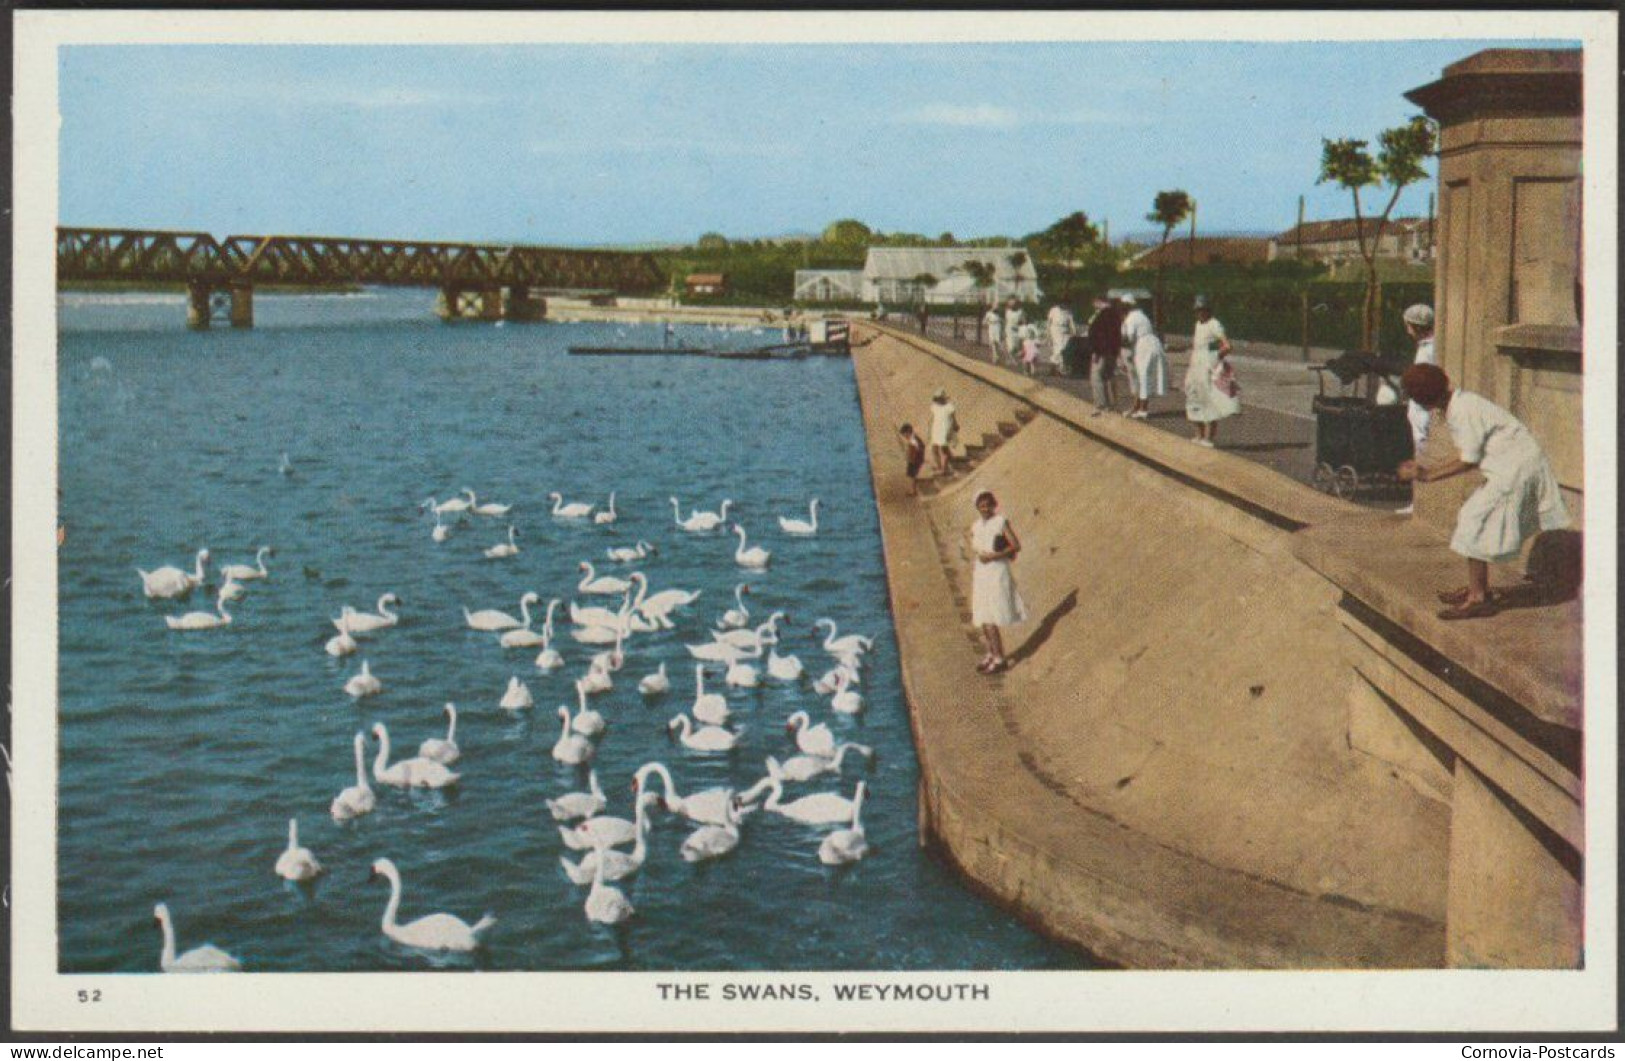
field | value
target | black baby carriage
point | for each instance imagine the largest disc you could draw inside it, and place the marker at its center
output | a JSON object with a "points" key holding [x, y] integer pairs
{"points": [[1359, 442]]}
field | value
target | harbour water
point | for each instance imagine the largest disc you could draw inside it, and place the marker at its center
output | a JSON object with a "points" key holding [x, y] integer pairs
{"points": [[183, 754]]}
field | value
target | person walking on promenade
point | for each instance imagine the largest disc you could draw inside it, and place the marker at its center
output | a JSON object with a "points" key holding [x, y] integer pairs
{"points": [[1105, 343], [994, 600], [1419, 326], [1519, 498], [993, 322], [1149, 366], [944, 430], [1211, 393], [913, 456], [1061, 328], [1029, 348], [1014, 320]]}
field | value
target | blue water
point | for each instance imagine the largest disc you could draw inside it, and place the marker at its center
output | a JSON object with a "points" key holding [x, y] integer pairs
{"points": [[184, 754]]}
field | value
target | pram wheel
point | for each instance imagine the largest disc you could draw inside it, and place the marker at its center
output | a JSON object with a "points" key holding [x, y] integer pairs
{"points": [[1324, 478], [1347, 482]]}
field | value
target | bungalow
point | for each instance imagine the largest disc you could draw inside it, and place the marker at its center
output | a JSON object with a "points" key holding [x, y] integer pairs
{"points": [[706, 284], [947, 275], [1407, 239]]}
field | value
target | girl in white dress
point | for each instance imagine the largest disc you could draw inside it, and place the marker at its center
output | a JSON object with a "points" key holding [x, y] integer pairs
{"points": [[994, 600], [944, 430], [993, 322], [1150, 366], [1519, 498], [1207, 398]]}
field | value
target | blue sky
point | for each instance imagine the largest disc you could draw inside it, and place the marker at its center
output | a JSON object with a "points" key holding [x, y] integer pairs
{"points": [[601, 144]]}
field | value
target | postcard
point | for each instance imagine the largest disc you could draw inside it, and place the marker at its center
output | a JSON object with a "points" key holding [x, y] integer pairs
{"points": [[928, 522]]}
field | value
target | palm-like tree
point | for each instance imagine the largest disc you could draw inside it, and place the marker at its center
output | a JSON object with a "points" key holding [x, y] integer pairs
{"points": [[1168, 209]]}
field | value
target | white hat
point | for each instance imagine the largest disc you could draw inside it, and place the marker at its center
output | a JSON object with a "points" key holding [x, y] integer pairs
{"points": [[1127, 298], [1420, 315]]}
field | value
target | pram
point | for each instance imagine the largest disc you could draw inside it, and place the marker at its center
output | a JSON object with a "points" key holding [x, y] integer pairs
{"points": [[1359, 443]]}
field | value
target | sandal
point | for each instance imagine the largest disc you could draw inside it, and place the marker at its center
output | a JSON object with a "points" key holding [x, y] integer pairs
{"points": [[1476, 610]]}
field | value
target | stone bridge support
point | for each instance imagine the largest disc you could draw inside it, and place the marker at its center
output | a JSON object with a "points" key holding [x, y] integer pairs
{"points": [[205, 302], [470, 303]]}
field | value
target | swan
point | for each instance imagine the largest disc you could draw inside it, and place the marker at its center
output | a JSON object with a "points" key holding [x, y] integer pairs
{"points": [[623, 554], [571, 749], [517, 696], [488, 509], [205, 959], [765, 634], [443, 751], [830, 680], [716, 652], [358, 799], [408, 773], [699, 522], [364, 684], [456, 505], [784, 668], [297, 864], [341, 644], [820, 808], [573, 805], [503, 551], [202, 620], [592, 582], [606, 904], [802, 527], [712, 841], [366, 622], [850, 844], [709, 708], [596, 681], [608, 515], [755, 557], [441, 532], [659, 606], [813, 740], [601, 831], [587, 723], [613, 864], [442, 932], [850, 645], [285, 466], [807, 767], [247, 572], [741, 675], [845, 701], [613, 660], [548, 659], [708, 807], [170, 582], [734, 618], [524, 636], [490, 620], [575, 510], [232, 590], [704, 739], [603, 616], [656, 683]]}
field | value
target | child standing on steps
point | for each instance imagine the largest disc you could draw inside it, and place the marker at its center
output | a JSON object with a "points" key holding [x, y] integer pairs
{"points": [[944, 430], [913, 456]]}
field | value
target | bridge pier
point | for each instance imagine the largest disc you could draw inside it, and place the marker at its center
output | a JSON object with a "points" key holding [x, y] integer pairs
{"points": [[522, 305], [198, 311], [464, 303], [242, 306]]}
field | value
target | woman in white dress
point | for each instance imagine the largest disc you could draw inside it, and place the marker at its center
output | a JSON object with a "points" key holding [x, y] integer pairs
{"points": [[994, 600], [1061, 328], [1150, 365], [994, 323], [1014, 319], [944, 430], [1210, 393], [1519, 498], [1419, 326]]}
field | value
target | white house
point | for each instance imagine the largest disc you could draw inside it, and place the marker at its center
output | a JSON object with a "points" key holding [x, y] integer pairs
{"points": [[895, 275], [829, 285]]}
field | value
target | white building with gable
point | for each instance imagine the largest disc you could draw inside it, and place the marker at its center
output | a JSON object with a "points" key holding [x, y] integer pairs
{"points": [[899, 275]]}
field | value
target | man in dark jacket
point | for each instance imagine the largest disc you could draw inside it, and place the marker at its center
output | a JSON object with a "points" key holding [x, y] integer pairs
{"points": [[1105, 342]]}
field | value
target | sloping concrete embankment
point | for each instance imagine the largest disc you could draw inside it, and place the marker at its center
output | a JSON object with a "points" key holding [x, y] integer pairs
{"points": [[1165, 777]]}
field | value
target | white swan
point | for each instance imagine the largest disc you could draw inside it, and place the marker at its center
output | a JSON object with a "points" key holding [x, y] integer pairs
{"points": [[849, 844], [441, 532], [456, 505], [359, 798], [606, 904], [502, 551], [571, 749], [705, 738], [232, 590], [596, 681], [699, 522], [436, 932], [489, 620], [488, 509], [606, 862], [366, 622], [517, 696], [712, 841], [716, 652], [341, 644], [247, 572], [364, 684], [710, 708], [595, 616], [784, 668], [845, 701], [708, 807], [656, 683], [525, 637], [820, 808], [169, 582], [408, 773], [601, 831], [548, 659], [296, 863], [202, 620], [741, 675], [830, 680], [608, 515], [807, 767], [755, 557], [736, 617], [612, 660], [623, 554], [573, 805], [587, 723], [765, 634], [205, 959], [592, 582], [814, 740], [802, 526], [659, 606], [443, 750], [574, 510], [850, 645]]}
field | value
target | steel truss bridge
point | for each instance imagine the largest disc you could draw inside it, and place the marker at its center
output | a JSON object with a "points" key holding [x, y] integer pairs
{"points": [[486, 281]]}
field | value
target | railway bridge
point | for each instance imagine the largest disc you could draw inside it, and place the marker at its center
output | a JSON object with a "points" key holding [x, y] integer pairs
{"points": [[481, 281]]}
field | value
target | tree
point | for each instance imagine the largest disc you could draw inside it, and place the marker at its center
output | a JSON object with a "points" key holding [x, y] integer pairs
{"points": [[982, 275], [923, 283], [1168, 209], [712, 241], [1401, 154], [847, 230], [1065, 241]]}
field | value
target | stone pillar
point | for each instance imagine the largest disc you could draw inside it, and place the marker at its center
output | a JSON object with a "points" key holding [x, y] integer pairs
{"points": [[1508, 239], [490, 303], [448, 304], [198, 313], [242, 306], [521, 305]]}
